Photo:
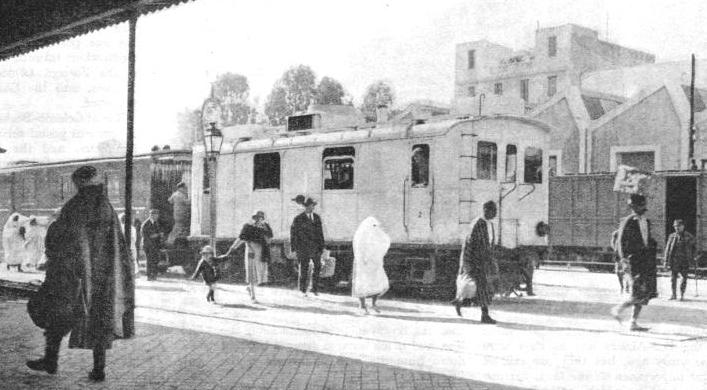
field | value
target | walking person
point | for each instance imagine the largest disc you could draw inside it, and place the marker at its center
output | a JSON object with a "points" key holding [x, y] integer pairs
{"points": [[637, 251], [152, 237], [34, 242], [307, 241], [89, 288], [209, 271], [679, 251], [256, 234], [475, 262], [13, 241], [370, 244], [133, 242]]}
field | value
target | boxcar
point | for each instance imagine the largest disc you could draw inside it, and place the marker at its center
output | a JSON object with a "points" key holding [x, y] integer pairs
{"points": [[425, 182]]}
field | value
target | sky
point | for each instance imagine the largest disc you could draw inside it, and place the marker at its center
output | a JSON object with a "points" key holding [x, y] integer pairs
{"points": [[60, 102]]}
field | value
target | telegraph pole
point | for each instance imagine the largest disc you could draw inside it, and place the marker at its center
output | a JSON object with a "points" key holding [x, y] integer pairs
{"points": [[691, 157]]}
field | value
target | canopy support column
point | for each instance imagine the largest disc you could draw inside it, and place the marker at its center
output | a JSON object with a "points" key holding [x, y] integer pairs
{"points": [[130, 131]]}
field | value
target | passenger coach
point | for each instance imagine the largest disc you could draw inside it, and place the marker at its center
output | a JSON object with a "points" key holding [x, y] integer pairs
{"points": [[425, 182]]}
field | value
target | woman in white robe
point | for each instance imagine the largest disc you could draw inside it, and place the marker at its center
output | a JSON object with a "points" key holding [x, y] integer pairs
{"points": [[34, 242], [13, 241], [133, 242], [370, 244]]}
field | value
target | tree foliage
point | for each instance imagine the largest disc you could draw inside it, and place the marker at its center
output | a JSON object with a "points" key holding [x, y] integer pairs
{"points": [[292, 93], [232, 90], [377, 94], [329, 91]]}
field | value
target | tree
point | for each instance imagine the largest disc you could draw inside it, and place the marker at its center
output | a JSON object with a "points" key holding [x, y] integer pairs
{"points": [[232, 90], [329, 91], [377, 94], [110, 148], [188, 126], [292, 93]]}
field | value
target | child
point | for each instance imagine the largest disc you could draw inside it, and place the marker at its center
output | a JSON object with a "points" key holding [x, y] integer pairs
{"points": [[208, 269]]}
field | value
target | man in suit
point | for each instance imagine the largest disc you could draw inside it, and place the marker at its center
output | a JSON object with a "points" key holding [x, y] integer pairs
{"points": [[152, 242], [637, 249], [679, 250], [475, 262], [307, 239]]}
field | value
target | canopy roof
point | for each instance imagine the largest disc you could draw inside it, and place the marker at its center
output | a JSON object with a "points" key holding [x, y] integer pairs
{"points": [[28, 25]]}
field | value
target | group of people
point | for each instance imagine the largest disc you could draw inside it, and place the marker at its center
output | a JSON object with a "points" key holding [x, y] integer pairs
{"points": [[23, 241]]}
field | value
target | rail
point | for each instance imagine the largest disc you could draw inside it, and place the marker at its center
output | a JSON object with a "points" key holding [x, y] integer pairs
{"points": [[570, 263]]}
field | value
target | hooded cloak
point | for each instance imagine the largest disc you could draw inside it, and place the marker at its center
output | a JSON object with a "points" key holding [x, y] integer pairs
{"points": [[34, 244], [370, 245], [13, 240]]}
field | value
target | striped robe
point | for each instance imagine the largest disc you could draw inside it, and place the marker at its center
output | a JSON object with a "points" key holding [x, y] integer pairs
{"points": [[475, 262]]}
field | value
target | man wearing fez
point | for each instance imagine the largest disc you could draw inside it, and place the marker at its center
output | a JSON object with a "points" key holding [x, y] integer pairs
{"points": [[679, 251], [152, 237], [89, 288], [307, 237], [637, 249]]}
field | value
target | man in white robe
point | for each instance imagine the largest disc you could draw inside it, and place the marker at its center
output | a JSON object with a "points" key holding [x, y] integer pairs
{"points": [[370, 244]]}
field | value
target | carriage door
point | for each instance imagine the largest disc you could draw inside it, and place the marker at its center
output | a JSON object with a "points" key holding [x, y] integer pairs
{"points": [[420, 191], [680, 203]]}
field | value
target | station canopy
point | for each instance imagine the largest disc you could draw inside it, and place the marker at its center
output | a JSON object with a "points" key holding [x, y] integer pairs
{"points": [[28, 25]]}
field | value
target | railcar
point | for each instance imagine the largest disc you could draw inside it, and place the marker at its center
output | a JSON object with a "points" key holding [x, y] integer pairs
{"points": [[41, 188], [584, 211], [425, 182]]}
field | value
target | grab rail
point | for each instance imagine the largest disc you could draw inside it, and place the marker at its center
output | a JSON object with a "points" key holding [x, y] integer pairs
{"points": [[405, 210], [432, 201]]}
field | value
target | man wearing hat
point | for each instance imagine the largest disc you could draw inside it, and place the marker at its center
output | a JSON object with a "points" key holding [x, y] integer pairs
{"points": [[89, 288], [152, 242], [636, 250], [307, 241]]}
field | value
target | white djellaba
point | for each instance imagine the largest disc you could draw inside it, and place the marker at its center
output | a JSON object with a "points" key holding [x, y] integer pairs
{"points": [[370, 245], [13, 245]]}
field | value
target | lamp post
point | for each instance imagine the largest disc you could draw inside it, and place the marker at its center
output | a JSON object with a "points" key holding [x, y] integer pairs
{"points": [[213, 139]]}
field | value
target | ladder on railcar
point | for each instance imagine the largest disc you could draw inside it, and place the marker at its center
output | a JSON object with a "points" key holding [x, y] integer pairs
{"points": [[467, 161]]}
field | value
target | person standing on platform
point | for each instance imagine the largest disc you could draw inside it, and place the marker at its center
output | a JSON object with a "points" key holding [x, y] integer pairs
{"points": [[679, 251], [307, 241], [89, 289], [152, 238], [637, 251], [475, 262], [34, 243], [370, 244]]}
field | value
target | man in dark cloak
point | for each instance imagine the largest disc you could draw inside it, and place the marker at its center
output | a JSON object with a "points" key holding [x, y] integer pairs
{"points": [[89, 278], [637, 249], [475, 262]]}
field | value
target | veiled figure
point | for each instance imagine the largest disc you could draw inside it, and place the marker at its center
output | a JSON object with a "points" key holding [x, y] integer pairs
{"points": [[13, 240], [370, 244], [34, 242]]}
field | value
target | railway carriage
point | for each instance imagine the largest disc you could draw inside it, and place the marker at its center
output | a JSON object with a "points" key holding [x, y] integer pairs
{"points": [[425, 182]]}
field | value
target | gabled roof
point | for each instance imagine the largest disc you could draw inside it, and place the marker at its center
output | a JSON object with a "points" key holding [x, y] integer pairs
{"points": [[28, 25]]}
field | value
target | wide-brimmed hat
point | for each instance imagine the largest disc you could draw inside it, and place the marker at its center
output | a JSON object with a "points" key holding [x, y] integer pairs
{"points": [[299, 199], [637, 200], [207, 249], [258, 213], [309, 202], [83, 174]]}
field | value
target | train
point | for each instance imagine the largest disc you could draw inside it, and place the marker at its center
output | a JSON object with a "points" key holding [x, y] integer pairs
{"points": [[40, 189], [425, 180]]}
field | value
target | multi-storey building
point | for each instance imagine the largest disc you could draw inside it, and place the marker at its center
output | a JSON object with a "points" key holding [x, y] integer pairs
{"points": [[513, 80]]}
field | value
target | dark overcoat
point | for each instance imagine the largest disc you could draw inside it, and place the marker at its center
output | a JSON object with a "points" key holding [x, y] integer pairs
{"points": [[679, 251], [86, 252], [307, 236], [475, 260], [639, 259]]}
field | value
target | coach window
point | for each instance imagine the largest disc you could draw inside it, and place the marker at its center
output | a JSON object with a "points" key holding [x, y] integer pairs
{"points": [[67, 187], [486, 161], [266, 171], [338, 165], [511, 162], [420, 165], [112, 182], [28, 189], [533, 165]]}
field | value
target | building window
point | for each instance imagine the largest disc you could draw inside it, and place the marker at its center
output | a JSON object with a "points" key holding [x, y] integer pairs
{"points": [[511, 162], [486, 161], [471, 91], [552, 46], [524, 90], [112, 183], [533, 165], [551, 85], [498, 89], [552, 168], [66, 189], [643, 161], [420, 165], [471, 61], [338, 164], [266, 171]]}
